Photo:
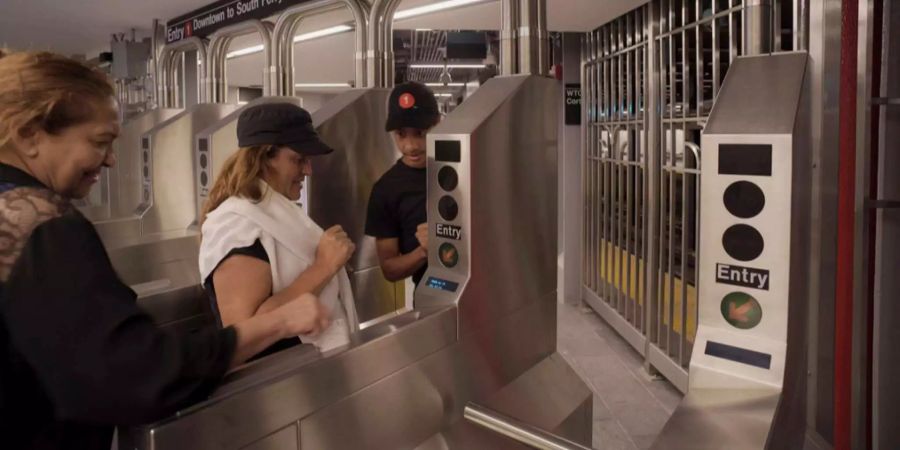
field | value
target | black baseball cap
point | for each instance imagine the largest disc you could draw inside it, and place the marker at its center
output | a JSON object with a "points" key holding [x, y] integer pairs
{"points": [[412, 105], [281, 124]]}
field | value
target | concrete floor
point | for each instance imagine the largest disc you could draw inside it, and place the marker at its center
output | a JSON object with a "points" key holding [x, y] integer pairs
{"points": [[630, 408]]}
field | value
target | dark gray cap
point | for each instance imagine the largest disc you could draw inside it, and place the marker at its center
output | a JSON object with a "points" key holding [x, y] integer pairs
{"points": [[280, 124]]}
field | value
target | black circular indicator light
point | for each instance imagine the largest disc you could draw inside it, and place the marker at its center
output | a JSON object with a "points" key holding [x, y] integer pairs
{"points": [[447, 178], [742, 242], [448, 208], [744, 199], [203, 161], [448, 255], [203, 178], [146, 172], [146, 157]]}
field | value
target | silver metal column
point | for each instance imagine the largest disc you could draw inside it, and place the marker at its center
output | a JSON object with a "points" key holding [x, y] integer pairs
{"points": [[532, 37], [169, 63], [286, 28], [758, 37], [218, 50], [509, 27]]}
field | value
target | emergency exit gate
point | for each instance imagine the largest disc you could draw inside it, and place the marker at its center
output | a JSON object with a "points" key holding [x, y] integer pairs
{"points": [[650, 78]]}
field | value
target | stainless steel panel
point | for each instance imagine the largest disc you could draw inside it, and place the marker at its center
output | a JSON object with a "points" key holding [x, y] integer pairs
{"points": [[162, 270], [518, 430], [168, 181], [501, 175], [429, 397], [119, 229], [377, 296], [284, 439], [719, 418], [125, 177], [339, 188], [825, 60], [886, 354], [281, 389], [767, 110]]}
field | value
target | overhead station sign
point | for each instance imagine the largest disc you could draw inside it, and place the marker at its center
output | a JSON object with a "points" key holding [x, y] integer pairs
{"points": [[204, 21]]}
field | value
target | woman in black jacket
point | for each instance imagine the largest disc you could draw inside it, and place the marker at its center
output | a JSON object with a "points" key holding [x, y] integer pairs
{"points": [[77, 356]]}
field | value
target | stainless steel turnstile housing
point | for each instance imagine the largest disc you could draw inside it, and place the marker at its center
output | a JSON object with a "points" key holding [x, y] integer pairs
{"points": [[405, 381]]}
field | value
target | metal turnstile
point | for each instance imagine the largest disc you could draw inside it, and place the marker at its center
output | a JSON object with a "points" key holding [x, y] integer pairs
{"points": [[748, 366], [118, 192], [166, 177], [151, 248], [484, 330]]}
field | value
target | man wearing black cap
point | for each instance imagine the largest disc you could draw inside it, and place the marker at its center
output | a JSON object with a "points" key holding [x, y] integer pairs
{"points": [[397, 207]]}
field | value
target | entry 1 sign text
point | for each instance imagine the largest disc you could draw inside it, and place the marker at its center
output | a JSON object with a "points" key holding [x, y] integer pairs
{"points": [[204, 21]]}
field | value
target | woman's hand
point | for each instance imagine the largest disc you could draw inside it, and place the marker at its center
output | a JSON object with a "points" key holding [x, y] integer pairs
{"points": [[335, 249], [300, 315], [304, 315]]}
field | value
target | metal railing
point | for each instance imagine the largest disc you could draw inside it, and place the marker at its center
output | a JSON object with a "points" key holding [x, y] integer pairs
{"points": [[616, 164], [517, 430], [650, 79]]}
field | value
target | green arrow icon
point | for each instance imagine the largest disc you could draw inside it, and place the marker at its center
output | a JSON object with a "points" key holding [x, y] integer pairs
{"points": [[741, 310]]}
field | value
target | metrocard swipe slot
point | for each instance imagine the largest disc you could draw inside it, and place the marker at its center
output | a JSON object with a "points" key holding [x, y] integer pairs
{"points": [[742, 276]]}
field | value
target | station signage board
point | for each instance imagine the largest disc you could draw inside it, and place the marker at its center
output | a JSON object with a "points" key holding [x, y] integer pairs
{"points": [[204, 21], [573, 104]]}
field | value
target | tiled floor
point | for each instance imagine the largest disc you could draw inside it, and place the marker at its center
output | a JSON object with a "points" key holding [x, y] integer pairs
{"points": [[630, 408]]}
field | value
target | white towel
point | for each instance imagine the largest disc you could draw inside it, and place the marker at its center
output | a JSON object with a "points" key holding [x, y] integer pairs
{"points": [[290, 239]]}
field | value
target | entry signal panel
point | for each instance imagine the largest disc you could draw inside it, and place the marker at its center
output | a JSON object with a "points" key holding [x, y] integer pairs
{"points": [[448, 218], [747, 211], [745, 254]]}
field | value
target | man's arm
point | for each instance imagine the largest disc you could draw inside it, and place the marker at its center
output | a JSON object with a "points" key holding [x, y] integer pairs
{"points": [[395, 265]]}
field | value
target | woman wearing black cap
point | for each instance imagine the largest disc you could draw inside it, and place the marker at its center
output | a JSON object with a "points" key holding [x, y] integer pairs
{"points": [[396, 214], [77, 355], [259, 247]]}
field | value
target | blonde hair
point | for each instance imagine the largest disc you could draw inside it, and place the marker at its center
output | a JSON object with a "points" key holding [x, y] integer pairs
{"points": [[45, 91], [240, 176]]}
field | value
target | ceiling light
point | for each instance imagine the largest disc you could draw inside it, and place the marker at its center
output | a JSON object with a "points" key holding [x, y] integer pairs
{"points": [[399, 15], [443, 94], [321, 85], [245, 51], [449, 66], [434, 7], [445, 85], [322, 33], [298, 38]]}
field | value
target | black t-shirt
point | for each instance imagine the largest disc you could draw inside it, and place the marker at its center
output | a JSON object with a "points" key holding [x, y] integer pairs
{"points": [[77, 355], [397, 207], [255, 250]]}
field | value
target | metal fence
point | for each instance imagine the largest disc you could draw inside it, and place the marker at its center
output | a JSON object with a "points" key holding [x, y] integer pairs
{"points": [[650, 78]]}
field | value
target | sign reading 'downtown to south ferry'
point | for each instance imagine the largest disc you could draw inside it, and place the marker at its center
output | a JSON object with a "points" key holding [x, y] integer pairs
{"points": [[204, 21]]}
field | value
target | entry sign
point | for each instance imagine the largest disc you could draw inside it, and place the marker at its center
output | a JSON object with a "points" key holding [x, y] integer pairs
{"points": [[573, 104], [742, 276], [204, 21]]}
